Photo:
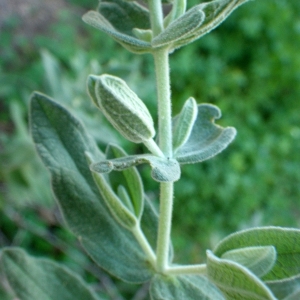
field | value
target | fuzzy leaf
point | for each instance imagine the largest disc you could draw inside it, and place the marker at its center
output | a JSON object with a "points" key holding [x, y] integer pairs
{"points": [[215, 12], [61, 141], [235, 281], [259, 260], [286, 289], [180, 28], [163, 169], [285, 240], [206, 139], [122, 107], [183, 123], [35, 279], [189, 287], [118, 18]]}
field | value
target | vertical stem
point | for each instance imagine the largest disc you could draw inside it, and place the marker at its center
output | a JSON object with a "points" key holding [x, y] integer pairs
{"points": [[164, 226], [161, 59]]}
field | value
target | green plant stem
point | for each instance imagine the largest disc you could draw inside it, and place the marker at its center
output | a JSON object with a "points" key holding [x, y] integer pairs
{"points": [[164, 226], [192, 269], [161, 60]]}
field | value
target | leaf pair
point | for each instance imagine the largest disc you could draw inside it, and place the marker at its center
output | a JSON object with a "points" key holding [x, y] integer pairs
{"points": [[128, 23], [195, 136], [259, 263]]}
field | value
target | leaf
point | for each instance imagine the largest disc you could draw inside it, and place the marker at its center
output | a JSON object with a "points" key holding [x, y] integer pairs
{"points": [[215, 13], [184, 122], [163, 169], [122, 107], [180, 28], [206, 139], [118, 18], [285, 240], [259, 260], [61, 141], [287, 289], [188, 287], [35, 279], [235, 281]]}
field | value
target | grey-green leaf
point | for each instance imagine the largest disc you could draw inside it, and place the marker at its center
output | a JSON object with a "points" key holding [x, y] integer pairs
{"points": [[61, 141], [179, 29], [286, 289], [163, 169], [206, 139], [117, 18], [183, 123], [215, 13], [35, 278], [259, 260], [188, 287], [122, 107], [285, 240], [235, 281]]}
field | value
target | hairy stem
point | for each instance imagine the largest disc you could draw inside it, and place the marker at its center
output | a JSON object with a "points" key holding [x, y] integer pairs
{"points": [[161, 59]]}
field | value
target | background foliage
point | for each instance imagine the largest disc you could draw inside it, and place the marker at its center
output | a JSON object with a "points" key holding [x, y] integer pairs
{"points": [[249, 67]]}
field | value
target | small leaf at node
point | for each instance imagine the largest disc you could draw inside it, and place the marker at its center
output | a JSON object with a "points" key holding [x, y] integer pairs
{"points": [[259, 260], [122, 107], [35, 278], [163, 169], [183, 123], [183, 287], [206, 139], [235, 281]]}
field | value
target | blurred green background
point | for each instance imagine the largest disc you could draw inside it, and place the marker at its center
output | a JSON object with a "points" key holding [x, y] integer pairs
{"points": [[249, 67]]}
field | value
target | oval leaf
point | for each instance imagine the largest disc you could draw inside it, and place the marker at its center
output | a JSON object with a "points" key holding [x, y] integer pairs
{"points": [[285, 240], [35, 279], [163, 169], [131, 43], [184, 122], [122, 107], [215, 13], [61, 141], [180, 28], [235, 281], [206, 139], [259, 260], [189, 287]]}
